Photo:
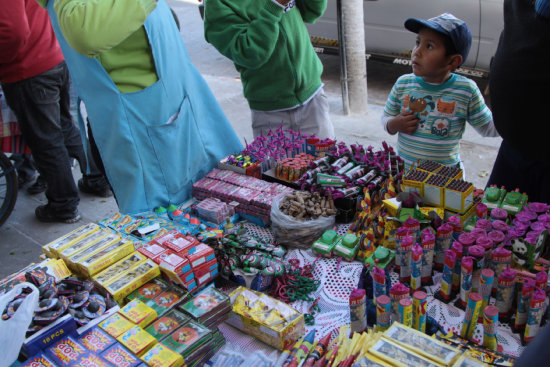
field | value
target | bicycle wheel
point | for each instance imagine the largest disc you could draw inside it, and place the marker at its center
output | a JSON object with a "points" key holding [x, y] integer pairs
{"points": [[8, 187]]}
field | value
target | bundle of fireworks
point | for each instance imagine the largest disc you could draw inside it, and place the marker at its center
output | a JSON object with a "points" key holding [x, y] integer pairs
{"points": [[346, 171], [214, 210], [241, 164], [209, 307], [271, 321], [248, 260], [291, 169], [253, 195]]}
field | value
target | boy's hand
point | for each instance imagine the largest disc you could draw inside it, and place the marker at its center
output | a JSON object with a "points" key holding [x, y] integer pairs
{"points": [[406, 123]]}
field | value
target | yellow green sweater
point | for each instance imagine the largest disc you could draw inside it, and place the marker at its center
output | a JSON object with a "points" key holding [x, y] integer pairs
{"points": [[111, 31]]}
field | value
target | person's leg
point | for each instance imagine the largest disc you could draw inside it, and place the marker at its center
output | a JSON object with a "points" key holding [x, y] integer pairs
{"points": [[26, 170], [313, 117], [36, 103], [263, 121]]}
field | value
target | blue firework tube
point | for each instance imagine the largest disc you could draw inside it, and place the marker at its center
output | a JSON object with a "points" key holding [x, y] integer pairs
{"points": [[442, 243], [490, 321], [538, 299], [471, 315], [485, 287], [447, 279], [416, 267], [428, 246], [383, 312], [466, 279], [457, 249], [400, 234], [524, 303], [406, 311]]}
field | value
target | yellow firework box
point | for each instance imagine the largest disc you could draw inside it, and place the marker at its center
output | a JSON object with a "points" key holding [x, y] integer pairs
{"points": [[116, 270], [52, 249], [132, 280], [139, 313], [422, 344], [102, 243], [137, 340], [116, 325], [82, 244], [398, 355], [106, 257], [162, 356]]}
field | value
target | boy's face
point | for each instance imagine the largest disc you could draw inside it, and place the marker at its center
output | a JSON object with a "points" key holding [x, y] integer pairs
{"points": [[428, 57]]}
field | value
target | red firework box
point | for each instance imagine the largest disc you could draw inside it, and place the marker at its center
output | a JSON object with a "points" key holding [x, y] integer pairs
{"points": [[171, 234], [120, 356], [96, 340], [208, 267], [181, 245], [39, 360], [138, 313], [200, 254], [175, 263], [66, 352], [153, 251]]}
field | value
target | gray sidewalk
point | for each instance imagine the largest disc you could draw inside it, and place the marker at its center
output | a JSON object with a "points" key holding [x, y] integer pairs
{"points": [[22, 235]]}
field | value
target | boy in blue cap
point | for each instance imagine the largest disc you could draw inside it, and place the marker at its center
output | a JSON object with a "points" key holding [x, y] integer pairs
{"points": [[430, 107]]}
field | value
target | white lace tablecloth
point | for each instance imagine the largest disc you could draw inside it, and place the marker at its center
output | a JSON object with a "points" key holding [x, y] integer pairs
{"points": [[336, 286]]}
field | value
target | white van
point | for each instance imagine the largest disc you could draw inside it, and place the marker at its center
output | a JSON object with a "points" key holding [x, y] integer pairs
{"points": [[387, 39]]}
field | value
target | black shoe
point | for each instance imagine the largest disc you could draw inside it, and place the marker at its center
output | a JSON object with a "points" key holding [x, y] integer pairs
{"points": [[99, 188], [22, 181], [44, 213], [40, 185]]}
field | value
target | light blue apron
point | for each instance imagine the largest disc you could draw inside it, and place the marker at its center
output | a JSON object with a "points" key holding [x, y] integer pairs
{"points": [[156, 142]]}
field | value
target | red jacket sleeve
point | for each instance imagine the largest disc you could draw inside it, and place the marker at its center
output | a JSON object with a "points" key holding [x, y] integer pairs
{"points": [[14, 28]]}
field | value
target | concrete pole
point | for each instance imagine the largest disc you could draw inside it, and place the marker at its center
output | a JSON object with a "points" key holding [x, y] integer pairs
{"points": [[354, 46]]}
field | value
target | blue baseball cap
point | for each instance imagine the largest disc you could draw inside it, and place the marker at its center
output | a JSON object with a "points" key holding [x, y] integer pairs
{"points": [[457, 30]]}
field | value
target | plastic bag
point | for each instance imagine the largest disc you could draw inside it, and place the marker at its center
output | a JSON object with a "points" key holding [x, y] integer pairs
{"points": [[12, 331], [294, 232]]}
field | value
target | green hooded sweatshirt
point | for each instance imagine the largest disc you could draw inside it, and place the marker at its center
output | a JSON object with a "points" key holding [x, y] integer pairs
{"points": [[270, 47], [111, 31]]}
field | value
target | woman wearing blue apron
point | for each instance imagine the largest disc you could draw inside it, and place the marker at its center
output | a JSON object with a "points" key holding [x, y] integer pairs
{"points": [[156, 141]]}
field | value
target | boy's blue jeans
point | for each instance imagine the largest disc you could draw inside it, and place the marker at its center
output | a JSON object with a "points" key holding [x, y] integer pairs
{"points": [[42, 107]]}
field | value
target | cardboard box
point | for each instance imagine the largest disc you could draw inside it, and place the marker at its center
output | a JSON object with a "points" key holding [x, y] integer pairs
{"points": [[116, 325], [118, 269], [51, 249], [153, 251], [458, 201], [79, 256], [120, 356], [147, 292], [39, 360], [106, 257], [166, 324], [278, 338], [96, 340], [181, 245], [398, 355], [66, 352], [422, 344], [202, 254], [82, 244], [161, 356], [64, 326], [175, 264], [132, 280], [137, 340], [254, 170], [138, 313]]}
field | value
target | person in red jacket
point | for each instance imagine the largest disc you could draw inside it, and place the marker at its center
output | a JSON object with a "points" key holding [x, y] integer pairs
{"points": [[35, 81]]}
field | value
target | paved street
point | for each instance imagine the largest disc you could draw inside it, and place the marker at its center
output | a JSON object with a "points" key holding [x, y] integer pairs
{"points": [[22, 235]]}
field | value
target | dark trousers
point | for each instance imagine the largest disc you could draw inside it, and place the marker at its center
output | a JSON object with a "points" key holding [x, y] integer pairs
{"points": [[512, 169], [42, 107]]}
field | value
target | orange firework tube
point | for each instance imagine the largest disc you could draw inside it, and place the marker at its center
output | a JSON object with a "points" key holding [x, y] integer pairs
{"points": [[420, 304], [523, 304], [318, 351]]}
